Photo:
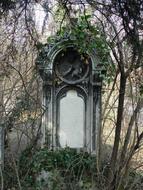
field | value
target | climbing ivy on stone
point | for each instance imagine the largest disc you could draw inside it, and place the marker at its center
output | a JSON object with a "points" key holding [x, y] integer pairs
{"points": [[87, 39]]}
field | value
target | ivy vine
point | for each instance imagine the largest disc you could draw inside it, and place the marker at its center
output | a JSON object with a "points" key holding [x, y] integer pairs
{"points": [[87, 38], [60, 167]]}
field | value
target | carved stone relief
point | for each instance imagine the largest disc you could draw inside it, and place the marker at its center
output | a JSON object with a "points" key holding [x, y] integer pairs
{"points": [[71, 67], [73, 102]]}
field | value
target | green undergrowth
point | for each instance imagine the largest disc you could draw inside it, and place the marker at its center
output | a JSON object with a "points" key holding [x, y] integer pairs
{"points": [[57, 170], [63, 169]]}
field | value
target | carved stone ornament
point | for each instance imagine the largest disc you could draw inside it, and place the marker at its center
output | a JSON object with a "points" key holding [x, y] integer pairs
{"points": [[46, 74], [70, 79], [71, 66]]}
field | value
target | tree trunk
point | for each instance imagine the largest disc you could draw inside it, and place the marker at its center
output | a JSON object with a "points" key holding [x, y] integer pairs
{"points": [[118, 125]]}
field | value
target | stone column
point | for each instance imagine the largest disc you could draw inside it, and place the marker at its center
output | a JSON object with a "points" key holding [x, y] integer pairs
{"points": [[46, 128]]}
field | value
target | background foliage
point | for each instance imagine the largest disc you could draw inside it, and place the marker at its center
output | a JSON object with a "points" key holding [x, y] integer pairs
{"points": [[115, 29]]}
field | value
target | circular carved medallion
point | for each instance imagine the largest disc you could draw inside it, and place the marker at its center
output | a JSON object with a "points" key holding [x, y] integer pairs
{"points": [[71, 67]]}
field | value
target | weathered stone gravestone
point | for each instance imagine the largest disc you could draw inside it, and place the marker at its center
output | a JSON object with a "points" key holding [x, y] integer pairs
{"points": [[71, 97]]}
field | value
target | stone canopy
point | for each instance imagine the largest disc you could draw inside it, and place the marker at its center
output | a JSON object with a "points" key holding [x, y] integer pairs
{"points": [[71, 96]]}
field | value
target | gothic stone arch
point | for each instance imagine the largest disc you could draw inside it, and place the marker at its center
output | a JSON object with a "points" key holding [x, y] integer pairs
{"points": [[66, 75]]}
